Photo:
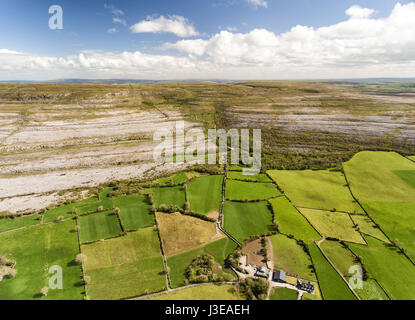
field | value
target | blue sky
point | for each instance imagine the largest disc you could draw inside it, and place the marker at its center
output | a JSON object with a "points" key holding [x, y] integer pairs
{"points": [[89, 28]]}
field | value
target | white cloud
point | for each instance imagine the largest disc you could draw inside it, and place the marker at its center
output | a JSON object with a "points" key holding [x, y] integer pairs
{"points": [[177, 25], [112, 30], [119, 20], [258, 3], [114, 10], [359, 12], [356, 47]]}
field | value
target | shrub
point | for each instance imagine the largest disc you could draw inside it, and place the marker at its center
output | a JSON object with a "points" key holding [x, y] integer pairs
{"points": [[80, 258]]}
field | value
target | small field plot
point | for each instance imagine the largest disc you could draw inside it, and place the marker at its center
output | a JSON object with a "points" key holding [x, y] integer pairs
{"points": [[366, 226], [206, 292], [331, 284], [342, 258], [325, 190], [135, 211], [98, 226], [392, 269], [35, 250], [290, 257], [283, 294], [291, 222], [241, 190], [125, 267], [181, 233], [171, 196], [8, 224], [66, 210], [235, 175], [176, 179], [205, 194], [243, 220], [105, 199], [219, 250], [333, 224], [371, 290], [407, 175]]}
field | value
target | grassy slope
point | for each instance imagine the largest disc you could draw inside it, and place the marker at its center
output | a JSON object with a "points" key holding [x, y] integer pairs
{"points": [[243, 220], [126, 266], [241, 190], [255, 178], [333, 224], [205, 194], [291, 222], [219, 249], [36, 249], [174, 196], [331, 284], [290, 257], [16, 223], [98, 226], [135, 212], [366, 226], [395, 272], [210, 292], [342, 258], [316, 189], [388, 198]]}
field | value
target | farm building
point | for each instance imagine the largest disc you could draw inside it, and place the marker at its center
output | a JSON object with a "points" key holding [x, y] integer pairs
{"points": [[263, 272], [308, 287], [278, 276]]}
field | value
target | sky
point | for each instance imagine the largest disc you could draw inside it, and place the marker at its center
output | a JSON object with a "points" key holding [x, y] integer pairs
{"points": [[206, 39]]}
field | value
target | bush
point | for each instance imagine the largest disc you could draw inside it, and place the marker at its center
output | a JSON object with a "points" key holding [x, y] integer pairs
{"points": [[80, 258]]}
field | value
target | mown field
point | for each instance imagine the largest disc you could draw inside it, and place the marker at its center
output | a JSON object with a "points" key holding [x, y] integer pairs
{"points": [[135, 212], [97, 226], [283, 294], [242, 190], [204, 194], [209, 292]]}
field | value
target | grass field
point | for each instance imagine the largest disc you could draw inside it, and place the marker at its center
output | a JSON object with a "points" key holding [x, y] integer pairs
{"points": [[366, 226], [316, 189], [241, 190], [333, 224], [342, 258], [219, 250], [209, 292], [173, 180], [105, 200], [291, 222], [16, 223], [371, 290], [125, 267], [376, 179], [243, 220], [98, 226], [35, 250], [171, 196], [283, 294], [66, 210], [291, 257], [181, 233], [235, 175], [135, 212], [394, 272], [331, 284], [204, 194]]}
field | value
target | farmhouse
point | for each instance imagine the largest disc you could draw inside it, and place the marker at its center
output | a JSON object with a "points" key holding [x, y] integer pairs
{"points": [[263, 272], [278, 276], [304, 286]]}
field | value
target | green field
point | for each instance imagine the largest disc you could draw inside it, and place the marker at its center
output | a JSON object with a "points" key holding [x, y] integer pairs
{"points": [[333, 224], [325, 190], [8, 224], [98, 226], [366, 226], [393, 270], [219, 250], [331, 284], [204, 194], [291, 222], [243, 220], [342, 258], [208, 292], [171, 196], [291, 257], [35, 250], [105, 200], [371, 291], [66, 210], [235, 175], [241, 190], [377, 180], [173, 180], [135, 211], [125, 267], [283, 294]]}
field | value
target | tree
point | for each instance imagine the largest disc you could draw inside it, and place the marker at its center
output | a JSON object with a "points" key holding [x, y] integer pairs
{"points": [[80, 258], [100, 208], [87, 280], [117, 210], [44, 291]]}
